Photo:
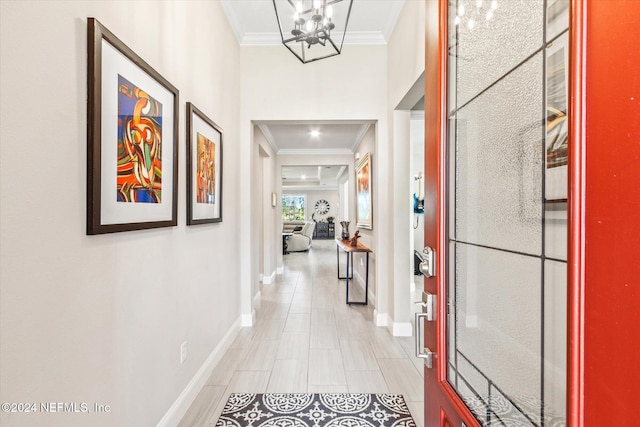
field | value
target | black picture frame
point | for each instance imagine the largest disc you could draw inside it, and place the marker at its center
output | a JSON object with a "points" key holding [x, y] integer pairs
{"points": [[132, 159], [205, 141]]}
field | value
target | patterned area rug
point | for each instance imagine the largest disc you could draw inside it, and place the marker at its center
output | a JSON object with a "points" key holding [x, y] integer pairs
{"points": [[315, 410]]}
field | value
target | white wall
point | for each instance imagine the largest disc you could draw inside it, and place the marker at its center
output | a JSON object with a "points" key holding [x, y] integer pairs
{"points": [[406, 64], [344, 184], [276, 86], [369, 237], [406, 51], [101, 318], [269, 216]]}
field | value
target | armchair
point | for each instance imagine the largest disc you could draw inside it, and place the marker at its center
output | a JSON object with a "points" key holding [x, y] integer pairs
{"points": [[301, 240]]}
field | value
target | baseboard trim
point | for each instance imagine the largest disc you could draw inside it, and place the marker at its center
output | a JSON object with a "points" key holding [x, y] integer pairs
{"points": [[267, 280], [246, 320], [175, 413], [257, 301], [401, 329], [381, 319]]}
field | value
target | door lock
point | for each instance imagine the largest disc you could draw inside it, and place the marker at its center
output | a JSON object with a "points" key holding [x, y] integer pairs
{"points": [[428, 264]]}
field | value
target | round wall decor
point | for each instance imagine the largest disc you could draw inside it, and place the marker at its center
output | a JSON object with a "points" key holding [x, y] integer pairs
{"points": [[322, 207]]}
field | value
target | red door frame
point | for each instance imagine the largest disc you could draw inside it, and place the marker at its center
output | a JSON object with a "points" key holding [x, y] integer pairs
{"points": [[576, 216], [604, 215], [443, 407], [604, 234]]}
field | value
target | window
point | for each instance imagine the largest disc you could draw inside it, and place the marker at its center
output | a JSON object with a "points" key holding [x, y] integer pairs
{"points": [[293, 208]]}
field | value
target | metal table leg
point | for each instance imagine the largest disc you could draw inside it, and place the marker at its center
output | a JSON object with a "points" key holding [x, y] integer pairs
{"points": [[338, 258], [366, 282]]}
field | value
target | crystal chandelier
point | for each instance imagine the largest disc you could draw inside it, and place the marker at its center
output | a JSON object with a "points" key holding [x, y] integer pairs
{"points": [[313, 29]]}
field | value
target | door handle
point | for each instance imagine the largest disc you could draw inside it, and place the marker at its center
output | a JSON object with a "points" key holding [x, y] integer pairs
{"points": [[421, 351], [429, 305]]}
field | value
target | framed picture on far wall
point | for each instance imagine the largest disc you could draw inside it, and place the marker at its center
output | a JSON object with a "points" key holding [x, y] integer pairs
{"points": [[364, 209], [204, 168], [132, 139]]}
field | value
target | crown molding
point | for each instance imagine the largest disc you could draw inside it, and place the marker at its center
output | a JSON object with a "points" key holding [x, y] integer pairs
{"points": [[365, 37], [233, 19], [393, 19], [269, 137], [315, 152], [378, 37], [363, 131], [308, 187], [260, 39]]}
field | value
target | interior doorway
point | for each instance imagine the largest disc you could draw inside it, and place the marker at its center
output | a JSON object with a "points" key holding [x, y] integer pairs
{"points": [[416, 154], [409, 128]]}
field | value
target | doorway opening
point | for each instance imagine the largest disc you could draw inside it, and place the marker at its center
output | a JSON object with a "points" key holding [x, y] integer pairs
{"points": [[409, 125]]}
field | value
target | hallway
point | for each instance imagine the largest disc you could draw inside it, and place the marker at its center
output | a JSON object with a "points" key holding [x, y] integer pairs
{"points": [[307, 340]]}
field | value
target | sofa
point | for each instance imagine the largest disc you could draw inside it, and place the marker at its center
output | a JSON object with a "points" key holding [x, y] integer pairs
{"points": [[302, 235]]}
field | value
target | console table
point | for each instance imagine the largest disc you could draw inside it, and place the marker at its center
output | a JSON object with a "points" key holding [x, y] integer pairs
{"points": [[350, 250]]}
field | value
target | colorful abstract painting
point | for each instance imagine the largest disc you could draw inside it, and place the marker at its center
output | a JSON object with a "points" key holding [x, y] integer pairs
{"points": [[363, 193], [206, 173], [139, 161]]}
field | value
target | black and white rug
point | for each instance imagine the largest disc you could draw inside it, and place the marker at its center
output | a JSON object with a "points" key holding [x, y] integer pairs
{"points": [[315, 410]]}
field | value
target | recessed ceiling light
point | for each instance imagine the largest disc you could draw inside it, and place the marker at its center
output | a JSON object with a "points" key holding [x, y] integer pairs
{"points": [[314, 133]]}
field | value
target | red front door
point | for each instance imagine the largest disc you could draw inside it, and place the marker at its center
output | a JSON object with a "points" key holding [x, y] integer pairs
{"points": [[482, 183], [496, 211]]}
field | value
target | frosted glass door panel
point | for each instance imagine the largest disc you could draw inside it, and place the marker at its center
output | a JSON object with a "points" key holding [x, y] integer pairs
{"points": [[499, 322], [555, 232], [507, 271], [555, 338], [491, 41], [499, 174]]}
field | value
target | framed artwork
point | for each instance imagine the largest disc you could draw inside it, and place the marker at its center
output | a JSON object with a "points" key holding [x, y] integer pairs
{"points": [[204, 168], [364, 211], [556, 123], [132, 139]]}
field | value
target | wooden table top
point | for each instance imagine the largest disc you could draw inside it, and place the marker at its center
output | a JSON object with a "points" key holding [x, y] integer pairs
{"points": [[347, 247]]}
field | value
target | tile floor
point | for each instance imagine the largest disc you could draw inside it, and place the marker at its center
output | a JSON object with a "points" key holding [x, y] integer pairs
{"points": [[307, 340]]}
